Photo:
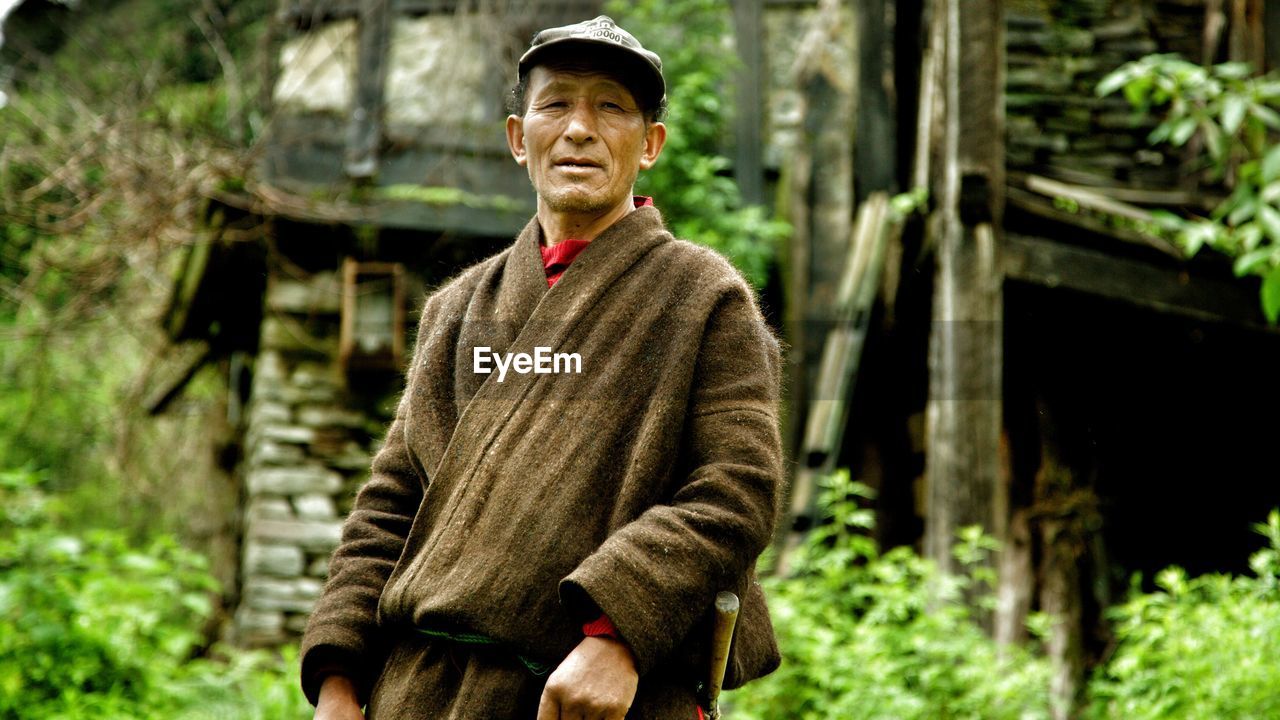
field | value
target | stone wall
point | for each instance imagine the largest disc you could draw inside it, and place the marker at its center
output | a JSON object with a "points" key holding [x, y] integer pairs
{"points": [[1058, 50], [306, 452]]}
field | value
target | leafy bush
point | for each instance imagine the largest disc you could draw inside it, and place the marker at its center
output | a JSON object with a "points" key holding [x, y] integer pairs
{"points": [[1204, 647], [689, 184], [871, 635], [1236, 115], [92, 627]]}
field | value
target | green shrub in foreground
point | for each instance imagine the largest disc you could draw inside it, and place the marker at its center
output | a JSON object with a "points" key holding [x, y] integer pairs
{"points": [[94, 628], [858, 643], [1204, 647]]}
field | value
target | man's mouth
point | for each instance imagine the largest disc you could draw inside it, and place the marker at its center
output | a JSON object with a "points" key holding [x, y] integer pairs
{"points": [[576, 163]]}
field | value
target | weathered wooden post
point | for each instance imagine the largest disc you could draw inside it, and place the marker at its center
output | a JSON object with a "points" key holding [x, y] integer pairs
{"points": [[748, 30], [965, 346]]}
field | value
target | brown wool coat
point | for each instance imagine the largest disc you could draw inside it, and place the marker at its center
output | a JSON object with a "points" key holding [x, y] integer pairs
{"points": [[519, 509]]}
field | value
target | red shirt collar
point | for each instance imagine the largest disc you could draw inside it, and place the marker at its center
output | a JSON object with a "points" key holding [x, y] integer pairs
{"points": [[556, 259]]}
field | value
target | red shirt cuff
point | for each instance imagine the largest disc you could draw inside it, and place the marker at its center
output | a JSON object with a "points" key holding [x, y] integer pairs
{"points": [[601, 627]]}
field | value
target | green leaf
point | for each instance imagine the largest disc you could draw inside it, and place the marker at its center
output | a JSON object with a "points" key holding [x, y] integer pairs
{"points": [[1215, 139], [1271, 295], [1138, 90], [1271, 165], [1195, 235], [1250, 237], [1270, 220], [1115, 80], [1251, 261], [1167, 220], [1182, 131], [1244, 211], [1268, 116], [1233, 109], [1233, 70]]}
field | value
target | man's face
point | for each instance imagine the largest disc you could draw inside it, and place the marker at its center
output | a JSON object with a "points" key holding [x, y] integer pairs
{"points": [[583, 138]]}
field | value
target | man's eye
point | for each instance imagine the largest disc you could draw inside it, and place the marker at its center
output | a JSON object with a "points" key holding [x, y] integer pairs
{"points": [[611, 105]]}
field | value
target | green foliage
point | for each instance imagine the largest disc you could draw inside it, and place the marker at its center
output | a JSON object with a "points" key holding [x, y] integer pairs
{"points": [[871, 635], [689, 183], [1204, 647], [1236, 114], [444, 195], [92, 626], [158, 58], [109, 144]]}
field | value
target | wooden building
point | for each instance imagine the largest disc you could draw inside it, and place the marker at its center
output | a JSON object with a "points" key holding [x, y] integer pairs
{"points": [[384, 172], [1023, 362], [1013, 360]]}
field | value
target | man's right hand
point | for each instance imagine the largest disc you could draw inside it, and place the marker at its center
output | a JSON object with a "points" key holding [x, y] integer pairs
{"points": [[338, 700]]}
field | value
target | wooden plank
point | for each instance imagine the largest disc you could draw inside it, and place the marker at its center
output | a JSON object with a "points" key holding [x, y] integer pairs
{"points": [[1061, 506], [1271, 35], [1037, 205], [1168, 288], [193, 278], [924, 120], [748, 119], [828, 85], [364, 128], [963, 413], [303, 14], [876, 148], [1086, 197], [180, 364], [828, 409], [1107, 186]]}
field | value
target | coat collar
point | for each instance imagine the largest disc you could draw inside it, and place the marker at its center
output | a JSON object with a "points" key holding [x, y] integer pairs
{"points": [[524, 295]]}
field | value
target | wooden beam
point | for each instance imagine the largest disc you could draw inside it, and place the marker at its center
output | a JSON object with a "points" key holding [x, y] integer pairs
{"points": [[1271, 35], [827, 411], [827, 82], [1037, 205], [964, 411], [303, 14], [364, 127], [269, 201], [1106, 185], [876, 149], [749, 128], [175, 372], [193, 277], [1168, 288]]}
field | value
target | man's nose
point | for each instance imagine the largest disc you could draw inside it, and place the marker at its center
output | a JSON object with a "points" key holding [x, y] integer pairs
{"points": [[582, 123]]}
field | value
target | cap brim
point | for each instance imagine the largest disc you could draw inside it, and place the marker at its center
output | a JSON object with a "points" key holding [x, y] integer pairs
{"points": [[632, 68]]}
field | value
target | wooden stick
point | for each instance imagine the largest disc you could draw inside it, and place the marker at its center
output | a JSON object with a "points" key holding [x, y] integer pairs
{"points": [[721, 639]]}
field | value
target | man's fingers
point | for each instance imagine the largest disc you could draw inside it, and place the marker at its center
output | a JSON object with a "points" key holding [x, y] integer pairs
{"points": [[548, 708]]}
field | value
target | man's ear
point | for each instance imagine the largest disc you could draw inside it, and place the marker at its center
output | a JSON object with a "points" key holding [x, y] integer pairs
{"points": [[655, 136], [515, 139]]}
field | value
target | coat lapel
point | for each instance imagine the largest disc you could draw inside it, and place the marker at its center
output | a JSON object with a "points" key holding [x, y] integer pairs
{"points": [[521, 313], [524, 281]]}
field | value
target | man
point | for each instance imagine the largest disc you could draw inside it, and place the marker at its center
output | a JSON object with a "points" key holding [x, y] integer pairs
{"points": [[583, 455]]}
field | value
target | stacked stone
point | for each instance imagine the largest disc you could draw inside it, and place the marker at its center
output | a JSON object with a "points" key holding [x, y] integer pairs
{"points": [[306, 450], [1056, 123]]}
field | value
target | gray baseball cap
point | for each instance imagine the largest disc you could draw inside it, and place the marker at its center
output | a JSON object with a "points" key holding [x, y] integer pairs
{"points": [[600, 36]]}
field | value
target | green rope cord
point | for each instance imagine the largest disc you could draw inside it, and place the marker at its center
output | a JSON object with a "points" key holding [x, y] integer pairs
{"points": [[466, 638]]}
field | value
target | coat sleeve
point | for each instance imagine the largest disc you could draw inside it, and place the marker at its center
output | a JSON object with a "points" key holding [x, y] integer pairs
{"points": [[342, 633], [656, 576]]}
